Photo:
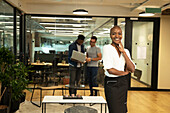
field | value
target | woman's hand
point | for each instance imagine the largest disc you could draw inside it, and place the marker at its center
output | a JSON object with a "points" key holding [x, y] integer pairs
{"points": [[121, 48]]}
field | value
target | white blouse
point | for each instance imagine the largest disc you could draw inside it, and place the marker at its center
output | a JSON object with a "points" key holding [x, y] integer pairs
{"points": [[111, 59]]}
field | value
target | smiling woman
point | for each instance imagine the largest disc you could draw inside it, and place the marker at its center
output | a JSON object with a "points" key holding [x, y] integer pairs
{"points": [[117, 64]]}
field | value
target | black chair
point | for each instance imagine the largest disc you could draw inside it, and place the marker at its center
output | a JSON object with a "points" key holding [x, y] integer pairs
{"points": [[138, 74]]}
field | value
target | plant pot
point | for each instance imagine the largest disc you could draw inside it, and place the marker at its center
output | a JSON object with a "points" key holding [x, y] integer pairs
{"points": [[15, 105], [3, 108], [6, 97], [23, 97]]}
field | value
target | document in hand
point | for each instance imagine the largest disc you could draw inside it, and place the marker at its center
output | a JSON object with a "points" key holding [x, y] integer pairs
{"points": [[78, 56]]}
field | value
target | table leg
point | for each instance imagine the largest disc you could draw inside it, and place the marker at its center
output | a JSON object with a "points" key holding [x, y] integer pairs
{"points": [[42, 107], [45, 108], [105, 108], [101, 108]]}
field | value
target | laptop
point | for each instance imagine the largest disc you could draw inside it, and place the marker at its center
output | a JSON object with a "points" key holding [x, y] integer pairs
{"points": [[78, 56]]}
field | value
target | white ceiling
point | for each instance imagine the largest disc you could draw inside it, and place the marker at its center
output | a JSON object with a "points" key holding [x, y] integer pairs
{"points": [[94, 7]]}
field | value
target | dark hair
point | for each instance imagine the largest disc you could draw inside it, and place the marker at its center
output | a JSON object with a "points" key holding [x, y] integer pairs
{"points": [[94, 37], [81, 37]]}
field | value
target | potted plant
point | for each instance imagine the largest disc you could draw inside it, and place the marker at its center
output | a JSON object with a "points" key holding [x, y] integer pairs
{"points": [[6, 61], [3, 108], [13, 75]]}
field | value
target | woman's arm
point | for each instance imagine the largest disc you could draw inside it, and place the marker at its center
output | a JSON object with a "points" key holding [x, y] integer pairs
{"points": [[116, 72], [129, 65]]}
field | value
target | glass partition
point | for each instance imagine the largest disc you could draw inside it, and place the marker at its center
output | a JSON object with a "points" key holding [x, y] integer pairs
{"points": [[142, 42], [57, 33], [6, 25], [18, 33], [121, 23]]}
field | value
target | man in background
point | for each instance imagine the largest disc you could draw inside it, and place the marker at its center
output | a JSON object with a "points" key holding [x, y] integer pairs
{"points": [[74, 65], [93, 56]]}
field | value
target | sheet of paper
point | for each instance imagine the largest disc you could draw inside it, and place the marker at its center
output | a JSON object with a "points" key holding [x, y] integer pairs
{"points": [[141, 52]]}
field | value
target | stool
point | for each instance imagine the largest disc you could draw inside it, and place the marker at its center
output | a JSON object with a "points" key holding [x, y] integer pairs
{"points": [[80, 109], [98, 91]]}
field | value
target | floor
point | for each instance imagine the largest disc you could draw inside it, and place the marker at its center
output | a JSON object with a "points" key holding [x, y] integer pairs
{"points": [[138, 101]]}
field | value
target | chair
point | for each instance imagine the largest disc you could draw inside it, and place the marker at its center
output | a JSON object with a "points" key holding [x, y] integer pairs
{"points": [[41, 91], [138, 74]]}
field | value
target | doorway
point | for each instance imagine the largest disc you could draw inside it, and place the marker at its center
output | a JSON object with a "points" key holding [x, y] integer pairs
{"points": [[142, 39]]}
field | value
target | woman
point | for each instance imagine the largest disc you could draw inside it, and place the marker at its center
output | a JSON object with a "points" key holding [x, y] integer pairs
{"points": [[117, 64]]}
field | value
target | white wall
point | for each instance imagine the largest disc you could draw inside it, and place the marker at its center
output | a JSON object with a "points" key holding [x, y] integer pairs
{"points": [[164, 54]]}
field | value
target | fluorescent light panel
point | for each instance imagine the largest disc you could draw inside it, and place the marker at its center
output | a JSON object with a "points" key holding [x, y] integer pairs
{"points": [[66, 28], [64, 31], [61, 18], [66, 34], [82, 24], [8, 22], [11, 27], [6, 16]]}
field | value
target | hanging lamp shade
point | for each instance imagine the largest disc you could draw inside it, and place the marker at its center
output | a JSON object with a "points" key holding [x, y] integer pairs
{"points": [[80, 12], [146, 14]]}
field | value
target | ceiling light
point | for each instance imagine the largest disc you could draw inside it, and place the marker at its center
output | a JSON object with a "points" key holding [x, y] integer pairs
{"points": [[5, 16], [66, 28], [61, 18], [65, 31], [146, 14], [80, 12], [72, 24]]}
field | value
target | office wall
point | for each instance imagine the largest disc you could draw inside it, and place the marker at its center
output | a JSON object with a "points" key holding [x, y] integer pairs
{"points": [[164, 54]]}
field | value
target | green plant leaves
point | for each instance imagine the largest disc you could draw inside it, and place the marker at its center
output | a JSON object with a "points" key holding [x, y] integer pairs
{"points": [[13, 74]]}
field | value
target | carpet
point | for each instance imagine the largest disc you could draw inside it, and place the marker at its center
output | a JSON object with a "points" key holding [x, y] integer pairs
{"points": [[28, 107]]}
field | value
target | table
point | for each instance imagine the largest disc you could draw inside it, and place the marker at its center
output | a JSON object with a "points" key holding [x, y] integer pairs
{"points": [[41, 64], [85, 100], [62, 65], [58, 64]]}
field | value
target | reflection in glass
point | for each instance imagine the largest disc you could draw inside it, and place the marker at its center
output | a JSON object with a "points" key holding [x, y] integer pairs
{"points": [[18, 32], [56, 33]]}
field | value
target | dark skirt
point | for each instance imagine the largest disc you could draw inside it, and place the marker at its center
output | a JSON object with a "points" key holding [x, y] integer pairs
{"points": [[116, 93]]}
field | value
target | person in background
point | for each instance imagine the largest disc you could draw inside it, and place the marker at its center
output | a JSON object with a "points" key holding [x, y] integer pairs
{"points": [[93, 56], [117, 64], [74, 65]]}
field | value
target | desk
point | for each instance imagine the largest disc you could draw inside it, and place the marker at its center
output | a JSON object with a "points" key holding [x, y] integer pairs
{"points": [[85, 100], [41, 64], [62, 65], [59, 64]]}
